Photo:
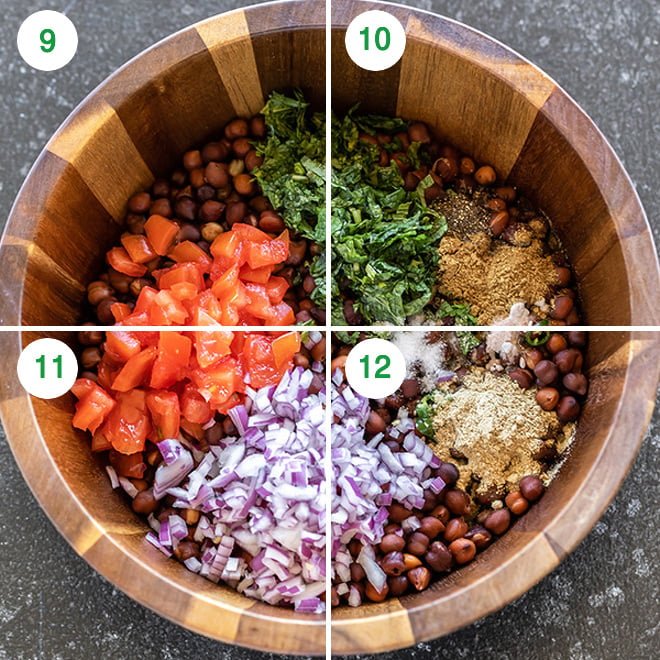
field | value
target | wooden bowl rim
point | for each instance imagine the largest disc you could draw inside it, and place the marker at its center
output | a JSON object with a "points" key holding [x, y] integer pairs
{"points": [[580, 497]]}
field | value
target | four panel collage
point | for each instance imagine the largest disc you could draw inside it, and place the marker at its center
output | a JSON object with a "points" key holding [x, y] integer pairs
{"points": [[311, 355]]}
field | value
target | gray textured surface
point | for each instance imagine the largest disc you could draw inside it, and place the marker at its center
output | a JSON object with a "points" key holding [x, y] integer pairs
{"points": [[602, 602]]}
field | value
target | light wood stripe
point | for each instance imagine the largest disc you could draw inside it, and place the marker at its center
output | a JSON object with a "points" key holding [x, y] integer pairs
{"points": [[372, 628], [228, 46], [107, 160]]}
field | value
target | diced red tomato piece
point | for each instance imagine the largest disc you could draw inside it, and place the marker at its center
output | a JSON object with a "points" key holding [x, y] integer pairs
{"points": [[82, 387], [145, 300], [276, 288], [120, 345], [239, 296], [229, 314], [260, 361], [105, 373], [138, 247], [256, 275], [194, 407], [207, 303], [128, 425], [167, 310], [280, 314], [211, 345], [185, 272], [284, 348], [128, 465], [94, 406], [136, 371], [228, 248], [250, 233], [259, 303], [161, 233], [165, 414], [189, 252], [174, 351], [275, 251], [220, 381], [183, 291], [119, 259], [225, 286], [120, 311]]}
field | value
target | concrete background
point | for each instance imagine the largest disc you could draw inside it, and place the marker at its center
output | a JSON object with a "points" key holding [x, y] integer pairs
{"points": [[602, 602]]}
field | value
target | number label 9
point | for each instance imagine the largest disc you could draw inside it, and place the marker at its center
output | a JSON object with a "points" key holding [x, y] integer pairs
{"points": [[47, 38]]}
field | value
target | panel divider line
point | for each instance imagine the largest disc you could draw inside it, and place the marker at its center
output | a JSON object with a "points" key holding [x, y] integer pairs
{"points": [[328, 469]]}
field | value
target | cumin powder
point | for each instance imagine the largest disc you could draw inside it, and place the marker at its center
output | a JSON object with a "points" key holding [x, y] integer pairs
{"points": [[493, 429], [491, 276]]}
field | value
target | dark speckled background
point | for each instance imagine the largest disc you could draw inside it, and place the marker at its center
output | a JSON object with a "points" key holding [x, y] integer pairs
{"points": [[602, 602]]}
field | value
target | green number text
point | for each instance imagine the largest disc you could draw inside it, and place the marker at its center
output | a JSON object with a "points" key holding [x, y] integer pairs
{"points": [[381, 372], [41, 361], [47, 38], [382, 38]]}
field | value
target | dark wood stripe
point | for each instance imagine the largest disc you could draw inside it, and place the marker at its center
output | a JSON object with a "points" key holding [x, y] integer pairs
{"points": [[148, 97], [294, 58]]}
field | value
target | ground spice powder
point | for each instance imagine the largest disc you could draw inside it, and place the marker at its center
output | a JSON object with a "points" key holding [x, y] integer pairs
{"points": [[494, 428], [490, 275]]}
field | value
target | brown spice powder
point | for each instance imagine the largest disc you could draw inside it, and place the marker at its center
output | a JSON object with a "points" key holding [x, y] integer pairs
{"points": [[490, 276], [494, 428]]}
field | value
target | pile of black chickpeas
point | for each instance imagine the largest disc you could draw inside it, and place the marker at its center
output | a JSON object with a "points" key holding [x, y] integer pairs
{"points": [[213, 190]]}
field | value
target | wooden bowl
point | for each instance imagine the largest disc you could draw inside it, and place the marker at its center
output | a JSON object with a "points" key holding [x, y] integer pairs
{"points": [[134, 128], [131, 129], [491, 103]]}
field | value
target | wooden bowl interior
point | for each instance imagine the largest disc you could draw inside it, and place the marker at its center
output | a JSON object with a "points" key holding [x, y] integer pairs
{"points": [[135, 127]]}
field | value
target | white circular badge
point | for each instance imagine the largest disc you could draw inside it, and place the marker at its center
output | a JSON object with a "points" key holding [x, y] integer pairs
{"points": [[375, 40], [47, 368], [375, 368], [47, 40]]}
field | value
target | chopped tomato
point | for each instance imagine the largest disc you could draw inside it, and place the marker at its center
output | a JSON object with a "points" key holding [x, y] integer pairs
{"points": [[185, 272], [194, 407], [226, 284], [211, 345], [145, 300], [138, 247], [275, 251], [119, 259], [284, 348], [229, 314], [276, 287], [165, 414], [120, 345], [128, 425], [227, 249], [105, 373], [259, 303], [128, 465], [280, 314], [220, 381], [167, 310], [184, 291], [190, 252], [249, 233], [173, 357], [120, 311], [256, 275], [161, 233], [93, 407], [260, 361], [136, 371]]}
